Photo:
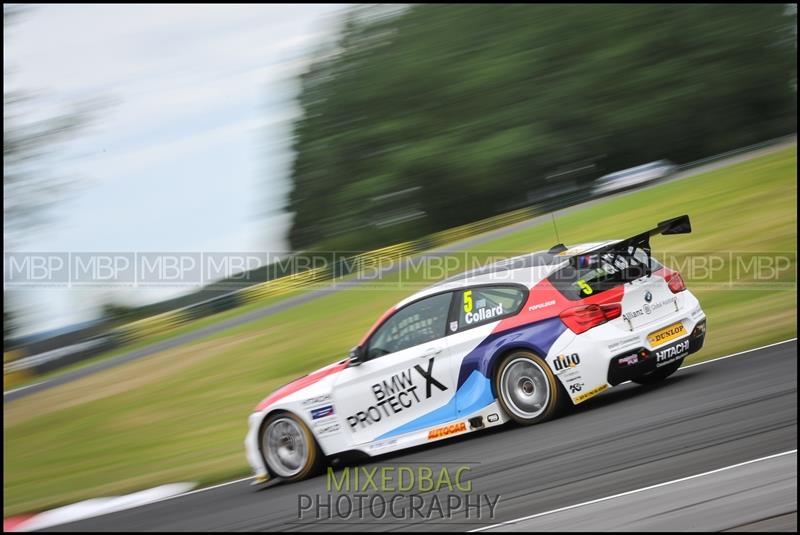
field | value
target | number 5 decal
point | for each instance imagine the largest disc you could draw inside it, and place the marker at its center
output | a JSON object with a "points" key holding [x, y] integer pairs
{"points": [[468, 301], [585, 288]]}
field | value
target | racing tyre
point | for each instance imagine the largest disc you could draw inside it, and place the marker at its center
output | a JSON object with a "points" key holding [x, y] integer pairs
{"points": [[289, 448], [527, 389], [659, 374]]}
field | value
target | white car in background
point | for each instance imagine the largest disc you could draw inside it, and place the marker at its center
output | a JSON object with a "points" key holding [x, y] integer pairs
{"points": [[635, 176]]}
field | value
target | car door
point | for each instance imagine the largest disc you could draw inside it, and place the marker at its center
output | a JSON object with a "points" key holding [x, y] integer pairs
{"points": [[477, 311], [406, 376]]}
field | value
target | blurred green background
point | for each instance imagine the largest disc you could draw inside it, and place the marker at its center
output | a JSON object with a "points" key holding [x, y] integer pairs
{"points": [[420, 118], [181, 414], [447, 114]]}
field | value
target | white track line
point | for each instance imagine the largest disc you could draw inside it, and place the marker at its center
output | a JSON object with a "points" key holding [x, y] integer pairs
{"points": [[740, 353], [248, 478], [590, 502], [7, 392], [94, 507], [196, 491], [727, 356], [682, 368]]}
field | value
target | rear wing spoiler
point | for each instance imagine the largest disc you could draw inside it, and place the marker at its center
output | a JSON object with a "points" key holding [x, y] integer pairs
{"points": [[676, 225]]}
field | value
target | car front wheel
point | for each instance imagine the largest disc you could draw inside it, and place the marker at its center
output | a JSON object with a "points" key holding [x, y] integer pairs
{"points": [[289, 448]]}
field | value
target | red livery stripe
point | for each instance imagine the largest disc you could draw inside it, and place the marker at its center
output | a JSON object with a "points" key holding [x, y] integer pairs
{"points": [[544, 301], [377, 324], [613, 295], [301, 383]]}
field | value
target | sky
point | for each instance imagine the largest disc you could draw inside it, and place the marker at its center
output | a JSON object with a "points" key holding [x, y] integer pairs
{"points": [[190, 147]]}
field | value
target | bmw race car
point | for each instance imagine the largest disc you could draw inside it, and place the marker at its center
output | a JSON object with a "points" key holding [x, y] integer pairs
{"points": [[518, 341]]}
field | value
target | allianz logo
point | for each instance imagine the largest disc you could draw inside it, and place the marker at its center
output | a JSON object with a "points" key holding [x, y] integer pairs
{"points": [[650, 308]]}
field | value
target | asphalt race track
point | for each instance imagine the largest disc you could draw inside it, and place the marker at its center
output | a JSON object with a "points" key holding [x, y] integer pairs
{"points": [[704, 418]]}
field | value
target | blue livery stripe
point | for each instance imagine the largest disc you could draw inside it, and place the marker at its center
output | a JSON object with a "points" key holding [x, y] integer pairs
{"points": [[474, 390], [538, 337], [475, 394]]}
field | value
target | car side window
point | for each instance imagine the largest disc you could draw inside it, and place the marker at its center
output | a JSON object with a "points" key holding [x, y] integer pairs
{"points": [[420, 322], [485, 304]]}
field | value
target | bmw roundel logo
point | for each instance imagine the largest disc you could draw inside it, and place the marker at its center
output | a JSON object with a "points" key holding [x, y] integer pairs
{"points": [[648, 296]]}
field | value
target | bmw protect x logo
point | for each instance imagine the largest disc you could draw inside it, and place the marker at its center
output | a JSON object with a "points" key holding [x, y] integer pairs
{"points": [[648, 297]]}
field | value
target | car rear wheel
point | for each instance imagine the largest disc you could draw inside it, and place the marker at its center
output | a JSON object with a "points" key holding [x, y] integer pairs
{"points": [[289, 448], [659, 374], [527, 389]]}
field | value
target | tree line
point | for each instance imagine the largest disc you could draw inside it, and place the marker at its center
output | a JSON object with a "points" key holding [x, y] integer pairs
{"points": [[425, 117]]}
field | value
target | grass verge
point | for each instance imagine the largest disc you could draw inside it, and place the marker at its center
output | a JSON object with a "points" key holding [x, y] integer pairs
{"points": [[181, 414]]}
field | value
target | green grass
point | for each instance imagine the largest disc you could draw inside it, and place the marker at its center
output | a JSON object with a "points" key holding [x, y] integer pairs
{"points": [[181, 415], [146, 341]]}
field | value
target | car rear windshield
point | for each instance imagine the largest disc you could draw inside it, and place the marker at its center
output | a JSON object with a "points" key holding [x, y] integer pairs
{"points": [[593, 273]]}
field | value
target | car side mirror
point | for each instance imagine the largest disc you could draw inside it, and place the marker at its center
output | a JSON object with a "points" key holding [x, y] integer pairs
{"points": [[357, 356]]}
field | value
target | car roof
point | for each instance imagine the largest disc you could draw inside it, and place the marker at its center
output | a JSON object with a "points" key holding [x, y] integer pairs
{"points": [[527, 269]]}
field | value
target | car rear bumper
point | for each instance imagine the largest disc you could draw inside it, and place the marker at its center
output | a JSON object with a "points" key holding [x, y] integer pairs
{"points": [[596, 352], [640, 361]]}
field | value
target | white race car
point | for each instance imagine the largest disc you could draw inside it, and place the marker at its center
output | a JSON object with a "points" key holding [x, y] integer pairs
{"points": [[516, 341], [635, 176]]}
